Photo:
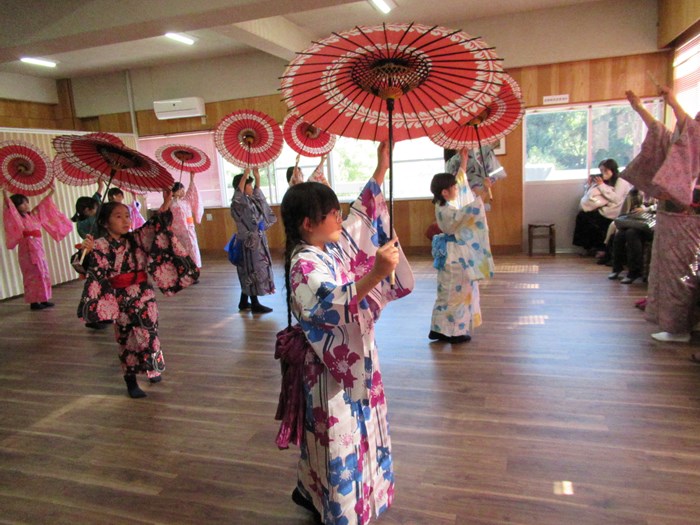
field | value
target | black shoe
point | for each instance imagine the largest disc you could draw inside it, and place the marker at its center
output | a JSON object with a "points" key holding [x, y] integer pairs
{"points": [[96, 326], [48, 304], [155, 379], [437, 336], [133, 388], [299, 499], [631, 279], [37, 306], [460, 339], [260, 309], [244, 306]]}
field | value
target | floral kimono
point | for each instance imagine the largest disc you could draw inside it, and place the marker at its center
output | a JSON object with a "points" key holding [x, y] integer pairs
{"points": [[117, 288], [667, 168], [25, 231], [253, 216], [186, 212], [346, 465], [137, 219], [462, 257]]}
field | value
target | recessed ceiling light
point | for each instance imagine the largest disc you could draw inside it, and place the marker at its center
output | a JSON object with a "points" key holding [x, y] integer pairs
{"points": [[38, 61], [383, 5], [184, 39]]}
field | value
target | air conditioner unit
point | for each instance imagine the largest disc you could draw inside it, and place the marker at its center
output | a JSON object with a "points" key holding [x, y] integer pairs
{"points": [[179, 108]]}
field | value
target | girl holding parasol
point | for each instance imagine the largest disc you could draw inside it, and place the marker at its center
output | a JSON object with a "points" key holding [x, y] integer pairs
{"points": [[23, 229], [117, 286], [462, 255], [187, 209], [253, 215], [336, 281]]}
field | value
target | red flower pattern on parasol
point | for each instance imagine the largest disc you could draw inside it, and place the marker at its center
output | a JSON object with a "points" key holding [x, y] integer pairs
{"points": [[183, 157], [123, 166], [495, 122], [306, 139], [24, 168], [248, 138]]}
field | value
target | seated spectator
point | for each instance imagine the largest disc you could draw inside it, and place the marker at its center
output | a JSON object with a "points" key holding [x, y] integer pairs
{"points": [[628, 243], [601, 203]]}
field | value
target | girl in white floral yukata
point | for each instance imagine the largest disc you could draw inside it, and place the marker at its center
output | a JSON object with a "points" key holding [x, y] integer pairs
{"points": [[117, 288], [336, 278]]}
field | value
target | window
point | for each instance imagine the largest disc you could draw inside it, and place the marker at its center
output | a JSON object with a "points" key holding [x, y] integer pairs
{"points": [[686, 75], [349, 166], [570, 143]]}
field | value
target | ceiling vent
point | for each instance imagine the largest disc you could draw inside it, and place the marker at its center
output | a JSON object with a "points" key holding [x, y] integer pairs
{"points": [[179, 108]]}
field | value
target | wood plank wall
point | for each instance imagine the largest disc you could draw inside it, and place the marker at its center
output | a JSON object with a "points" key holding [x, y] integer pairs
{"points": [[676, 18], [584, 81]]}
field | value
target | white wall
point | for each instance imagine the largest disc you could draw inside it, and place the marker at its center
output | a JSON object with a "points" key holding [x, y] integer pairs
{"points": [[579, 32], [14, 86], [552, 202], [593, 30]]}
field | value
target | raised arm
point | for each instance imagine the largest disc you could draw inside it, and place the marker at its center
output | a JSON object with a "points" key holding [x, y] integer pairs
{"points": [[671, 100], [637, 105], [244, 178], [382, 162], [256, 176]]}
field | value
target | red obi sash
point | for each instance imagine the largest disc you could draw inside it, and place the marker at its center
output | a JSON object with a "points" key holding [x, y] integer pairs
{"points": [[127, 279], [31, 233]]}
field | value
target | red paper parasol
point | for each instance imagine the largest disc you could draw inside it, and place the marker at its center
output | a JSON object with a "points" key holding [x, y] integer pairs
{"points": [[494, 123], [127, 168], [77, 176], [436, 77], [355, 83], [24, 168], [306, 139], [183, 157], [248, 138]]}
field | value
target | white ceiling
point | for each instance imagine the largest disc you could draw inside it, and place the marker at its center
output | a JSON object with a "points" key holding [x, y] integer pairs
{"points": [[88, 37]]}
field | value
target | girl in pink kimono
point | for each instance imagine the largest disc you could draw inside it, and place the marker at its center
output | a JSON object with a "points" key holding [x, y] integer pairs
{"points": [[187, 209], [336, 278], [667, 168], [23, 229]]}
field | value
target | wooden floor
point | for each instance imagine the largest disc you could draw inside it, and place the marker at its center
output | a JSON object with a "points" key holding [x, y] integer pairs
{"points": [[561, 388]]}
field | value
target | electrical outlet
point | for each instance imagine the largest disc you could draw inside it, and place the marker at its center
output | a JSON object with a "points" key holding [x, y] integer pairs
{"points": [[210, 217]]}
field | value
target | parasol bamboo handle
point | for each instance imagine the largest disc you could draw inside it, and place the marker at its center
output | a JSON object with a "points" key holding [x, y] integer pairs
{"points": [[653, 80], [392, 279]]}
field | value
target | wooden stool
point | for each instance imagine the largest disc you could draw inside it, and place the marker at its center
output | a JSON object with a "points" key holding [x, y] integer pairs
{"points": [[550, 234]]}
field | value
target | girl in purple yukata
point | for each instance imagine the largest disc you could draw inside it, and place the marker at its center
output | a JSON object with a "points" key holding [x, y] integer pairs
{"points": [[187, 209], [667, 168], [117, 286], [336, 278], [23, 229], [117, 195]]}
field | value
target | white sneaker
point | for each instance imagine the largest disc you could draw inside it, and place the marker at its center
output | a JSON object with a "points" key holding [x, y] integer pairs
{"points": [[671, 338]]}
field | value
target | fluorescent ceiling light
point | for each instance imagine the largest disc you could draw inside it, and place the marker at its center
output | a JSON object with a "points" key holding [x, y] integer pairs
{"points": [[180, 38], [38, 61], [383, 5]]}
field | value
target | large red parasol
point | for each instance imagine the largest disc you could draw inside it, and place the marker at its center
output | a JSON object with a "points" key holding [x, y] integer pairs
{"points": [[392, 82], [123, 166], [248, 138], [183, 157], [24, 168], [306, 139], [76, 176], [436, 77], [495, 122]]}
